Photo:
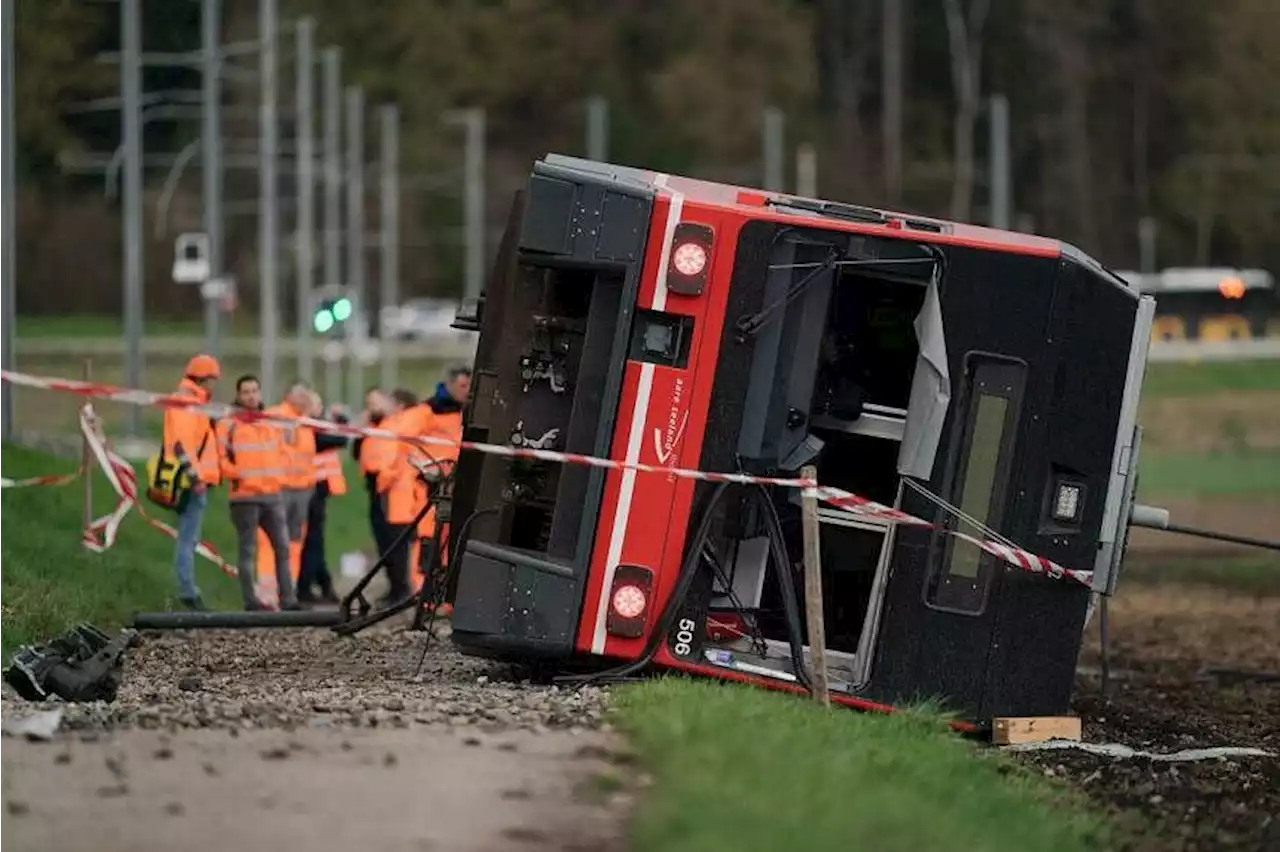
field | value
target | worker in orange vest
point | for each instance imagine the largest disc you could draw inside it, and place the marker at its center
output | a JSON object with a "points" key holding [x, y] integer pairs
{"points": [[377, 405], [398, 490], [329, 482], [298, 451], [443, 421], [251, 462], [189, 437]]}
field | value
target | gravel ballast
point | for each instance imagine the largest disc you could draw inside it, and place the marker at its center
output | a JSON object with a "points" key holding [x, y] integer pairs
{"points": [[287, 678]]}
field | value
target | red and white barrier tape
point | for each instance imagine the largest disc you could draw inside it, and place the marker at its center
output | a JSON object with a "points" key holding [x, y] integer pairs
{"points": [[59, 479], [101, 534], [1011, 555]]}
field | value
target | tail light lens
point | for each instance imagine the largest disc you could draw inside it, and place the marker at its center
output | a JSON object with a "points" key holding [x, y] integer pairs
{"points": [[690, 261], [629, 601]]}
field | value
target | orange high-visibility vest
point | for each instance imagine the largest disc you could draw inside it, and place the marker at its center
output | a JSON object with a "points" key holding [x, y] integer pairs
{"points": [[447, 426], [249, 457], [298, 448], [328, 467], [378, 455], [189, 436], [397, 478]]}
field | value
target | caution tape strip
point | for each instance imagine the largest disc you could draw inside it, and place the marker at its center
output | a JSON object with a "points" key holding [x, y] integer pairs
{"points": [[101, 534], [838, 498], [53, 479]]}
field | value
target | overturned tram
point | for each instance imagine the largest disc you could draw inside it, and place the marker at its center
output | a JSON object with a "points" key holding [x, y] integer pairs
{"points": [[977, 379]]}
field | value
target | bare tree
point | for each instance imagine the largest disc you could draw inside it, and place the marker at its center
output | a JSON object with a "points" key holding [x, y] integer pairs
{"points": [[964, 32]]}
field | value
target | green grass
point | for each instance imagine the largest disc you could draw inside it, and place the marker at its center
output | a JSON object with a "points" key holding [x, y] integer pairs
{"points": [[108, 325], [1257, 573], [1192, 378], [746, 769], [1249, 473], [51, 582]]}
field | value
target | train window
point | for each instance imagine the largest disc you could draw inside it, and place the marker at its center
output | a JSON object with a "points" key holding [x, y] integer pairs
{"points": [[980, 476], [980, 462]]}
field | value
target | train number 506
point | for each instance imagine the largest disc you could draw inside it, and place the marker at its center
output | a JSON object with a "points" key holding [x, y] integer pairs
{"points": [[684, 637]]}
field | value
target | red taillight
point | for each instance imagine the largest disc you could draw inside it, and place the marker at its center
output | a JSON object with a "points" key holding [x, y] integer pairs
{"points": [[629, 601], [690, 259]]}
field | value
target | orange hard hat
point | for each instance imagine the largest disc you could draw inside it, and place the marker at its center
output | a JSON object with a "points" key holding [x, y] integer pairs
{"points": [[203, 367]]}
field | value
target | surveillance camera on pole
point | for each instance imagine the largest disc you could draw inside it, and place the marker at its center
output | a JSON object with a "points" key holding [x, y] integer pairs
{"points": [[191, 259]]}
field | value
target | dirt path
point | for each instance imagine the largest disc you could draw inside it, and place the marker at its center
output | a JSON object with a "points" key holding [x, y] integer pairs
{"points": [[299, 739], [389, 790], [1164, 696]]}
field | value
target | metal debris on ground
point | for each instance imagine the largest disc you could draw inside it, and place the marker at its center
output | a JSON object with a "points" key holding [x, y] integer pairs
{"points": [[1124, 752], [83, 664]]}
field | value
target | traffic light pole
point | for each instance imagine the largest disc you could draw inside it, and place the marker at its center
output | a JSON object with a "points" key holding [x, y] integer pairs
{"points": [[390, 295], [328, 311], [355, 233], [332, 72], [306, 193]]}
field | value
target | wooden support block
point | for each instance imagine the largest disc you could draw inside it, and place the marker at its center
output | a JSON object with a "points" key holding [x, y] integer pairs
{"points": [[1011, 730]]}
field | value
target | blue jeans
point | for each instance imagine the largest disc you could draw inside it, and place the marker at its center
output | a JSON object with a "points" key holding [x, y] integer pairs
{"points": [[184, 556]]}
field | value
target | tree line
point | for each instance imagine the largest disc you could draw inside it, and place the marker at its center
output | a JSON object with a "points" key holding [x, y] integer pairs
{"points": [[1120, 110]]}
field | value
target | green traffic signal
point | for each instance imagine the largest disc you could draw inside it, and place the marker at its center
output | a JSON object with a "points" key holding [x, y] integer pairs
{"points": [[330, 313]]}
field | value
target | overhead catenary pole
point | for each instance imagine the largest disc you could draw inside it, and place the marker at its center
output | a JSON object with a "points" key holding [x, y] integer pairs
{"points": [[1000, 178], [131, 141], [390, 224], [305, 164], [10, 267], [211, 153], [268, 223], [773, 138], [355, 233], [597, 128], [473, 168], [331, 61]]}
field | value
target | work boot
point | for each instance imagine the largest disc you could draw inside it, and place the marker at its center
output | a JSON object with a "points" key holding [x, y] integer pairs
{"points": [[327, 594], [195, 604]]}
